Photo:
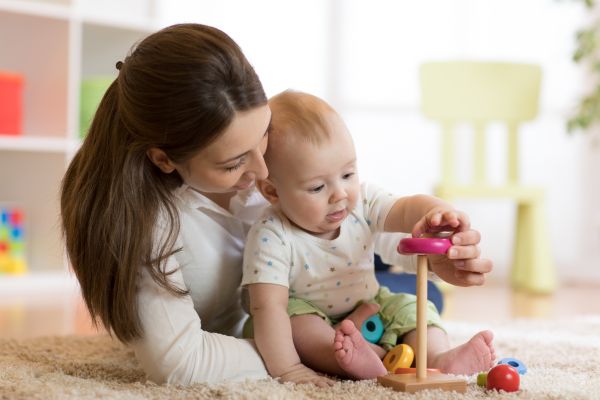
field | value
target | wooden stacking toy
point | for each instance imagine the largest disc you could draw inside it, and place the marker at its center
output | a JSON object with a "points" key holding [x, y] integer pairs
{"points": [[422, 378]]}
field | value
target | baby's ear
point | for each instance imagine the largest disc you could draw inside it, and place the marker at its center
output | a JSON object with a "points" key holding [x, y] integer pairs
{"points": [[268, 190]]}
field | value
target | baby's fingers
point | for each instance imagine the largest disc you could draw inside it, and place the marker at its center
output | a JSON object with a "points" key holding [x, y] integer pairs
{"points": [[319, 381], [452, 220], [324, 382], [421, 227], [439, 221], [435, 223]]}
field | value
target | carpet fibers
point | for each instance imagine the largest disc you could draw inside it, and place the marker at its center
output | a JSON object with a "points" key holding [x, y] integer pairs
{"points": [[563, 358]]}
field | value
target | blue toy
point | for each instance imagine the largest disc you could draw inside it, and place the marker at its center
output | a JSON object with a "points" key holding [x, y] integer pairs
{"points": [[372, 329], [516, 364]]}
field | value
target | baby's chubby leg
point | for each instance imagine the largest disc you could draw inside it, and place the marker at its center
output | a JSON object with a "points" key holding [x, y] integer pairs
{"points": [[313, 338], [474, 356]]}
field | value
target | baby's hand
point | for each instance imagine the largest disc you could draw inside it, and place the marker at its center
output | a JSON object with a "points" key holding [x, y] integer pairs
{"points": [[441, 219], [301, 374]]}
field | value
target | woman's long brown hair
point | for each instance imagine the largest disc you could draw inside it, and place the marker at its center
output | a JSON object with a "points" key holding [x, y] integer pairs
{"points": [[177, 90]]}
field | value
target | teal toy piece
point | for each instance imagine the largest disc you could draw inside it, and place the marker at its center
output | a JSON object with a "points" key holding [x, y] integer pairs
{"points": [[372, 329], [516, 364]]}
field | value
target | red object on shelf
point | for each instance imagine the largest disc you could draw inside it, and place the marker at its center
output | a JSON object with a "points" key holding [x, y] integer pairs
{"points": [[11, 103]]}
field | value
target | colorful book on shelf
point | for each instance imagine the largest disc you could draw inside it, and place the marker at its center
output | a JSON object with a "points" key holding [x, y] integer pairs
{"points": [[11, 103], [12, 241]]}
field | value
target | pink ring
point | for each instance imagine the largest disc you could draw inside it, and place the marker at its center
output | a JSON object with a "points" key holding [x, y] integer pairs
{"points": [[424, 246]]}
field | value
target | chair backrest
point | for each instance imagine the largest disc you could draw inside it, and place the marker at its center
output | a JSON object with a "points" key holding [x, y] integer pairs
{"points": [[478, 93]]}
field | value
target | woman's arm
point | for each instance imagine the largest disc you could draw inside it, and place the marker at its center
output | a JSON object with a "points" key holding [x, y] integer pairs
{"points": [[175, 349], [273, 335]]}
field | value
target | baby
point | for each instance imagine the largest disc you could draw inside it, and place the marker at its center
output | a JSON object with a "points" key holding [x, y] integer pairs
{"points": [[308, 264]]}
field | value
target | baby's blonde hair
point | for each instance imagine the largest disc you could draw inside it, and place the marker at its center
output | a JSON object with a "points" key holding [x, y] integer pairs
{"points": [[299, 115]]}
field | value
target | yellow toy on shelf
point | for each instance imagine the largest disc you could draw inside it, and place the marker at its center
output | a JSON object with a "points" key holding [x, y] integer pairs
{"points": [[478, 93], [12, 243]]}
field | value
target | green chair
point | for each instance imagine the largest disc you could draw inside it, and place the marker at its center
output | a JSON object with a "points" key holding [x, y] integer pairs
{"points": [[478, 93]]}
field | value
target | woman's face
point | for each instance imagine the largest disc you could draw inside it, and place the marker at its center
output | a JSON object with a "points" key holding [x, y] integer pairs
{"points": [[235, 159]]}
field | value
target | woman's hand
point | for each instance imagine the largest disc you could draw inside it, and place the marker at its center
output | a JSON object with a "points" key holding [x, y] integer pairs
{"points": [[301, 374], [461, 265]]}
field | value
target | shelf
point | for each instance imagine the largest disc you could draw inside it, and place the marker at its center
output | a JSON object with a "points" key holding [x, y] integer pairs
{"points": [[31, 181], [36, 144], [103, 47], [63, 13], [140, 24], [55, 45], [44, 65], [133, 15], [37, 8], [60, 282]]}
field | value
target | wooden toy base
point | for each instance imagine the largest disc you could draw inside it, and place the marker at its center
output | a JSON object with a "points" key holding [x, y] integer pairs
{"points": [[409, 383]]}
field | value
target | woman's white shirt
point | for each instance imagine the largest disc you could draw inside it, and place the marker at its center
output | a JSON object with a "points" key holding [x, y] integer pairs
{"points": [[191, 338]]}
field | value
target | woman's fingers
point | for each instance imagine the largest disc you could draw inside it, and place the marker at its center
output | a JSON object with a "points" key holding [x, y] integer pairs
{"points": [[466, 278], [466, 238], [463, 252], [478, 265]]}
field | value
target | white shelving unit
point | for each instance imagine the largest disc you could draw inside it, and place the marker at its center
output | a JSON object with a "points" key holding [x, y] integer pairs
{"points": [[55, 44]]}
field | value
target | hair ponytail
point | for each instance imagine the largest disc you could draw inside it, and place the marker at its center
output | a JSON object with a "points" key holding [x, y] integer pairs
{"points": [[177, 91]]}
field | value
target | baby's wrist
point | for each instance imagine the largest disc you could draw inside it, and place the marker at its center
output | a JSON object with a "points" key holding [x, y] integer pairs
{"points": [[283, 371]]}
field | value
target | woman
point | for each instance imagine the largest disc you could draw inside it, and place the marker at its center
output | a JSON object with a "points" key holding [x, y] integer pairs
{"points": [[157, 202]]}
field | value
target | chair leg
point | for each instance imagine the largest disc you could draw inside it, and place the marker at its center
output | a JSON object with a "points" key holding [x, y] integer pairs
{"points": [[533, 267]]}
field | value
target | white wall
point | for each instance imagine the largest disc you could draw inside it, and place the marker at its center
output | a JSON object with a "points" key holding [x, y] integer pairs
{"points": [[363, 57]]}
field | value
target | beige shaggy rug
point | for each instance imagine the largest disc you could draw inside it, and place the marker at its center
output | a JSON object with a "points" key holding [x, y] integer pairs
{"points": [[563, 358]]}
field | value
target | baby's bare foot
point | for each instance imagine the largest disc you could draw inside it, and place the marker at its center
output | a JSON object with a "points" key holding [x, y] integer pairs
{"points": [[476, 355], [354, 354]]}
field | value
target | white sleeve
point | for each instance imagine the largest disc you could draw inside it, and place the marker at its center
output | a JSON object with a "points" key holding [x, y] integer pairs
{"points": [[376, 205], [386, 244], [174, 348], [267, 255]]}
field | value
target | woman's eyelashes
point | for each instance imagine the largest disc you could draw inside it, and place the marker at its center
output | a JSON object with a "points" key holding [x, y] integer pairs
{"points": [[236, 166]]}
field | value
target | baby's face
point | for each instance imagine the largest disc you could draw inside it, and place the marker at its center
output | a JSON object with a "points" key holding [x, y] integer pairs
{"points": [[318, 184]]}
